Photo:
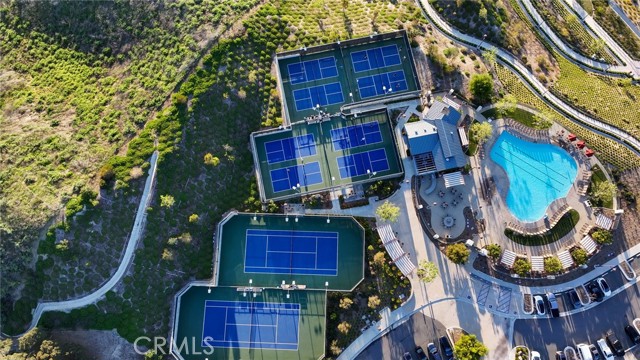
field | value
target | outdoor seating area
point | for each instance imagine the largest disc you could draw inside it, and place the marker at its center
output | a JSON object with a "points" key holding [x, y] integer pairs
{"points": [[447, 205], [526, 133], [558, 210]]}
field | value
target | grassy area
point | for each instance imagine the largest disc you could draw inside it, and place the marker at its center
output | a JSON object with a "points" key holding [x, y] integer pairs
{"points": [[599, 177], [562, 228], [231, 95], [522, 116], [607, 149], [473, 143]]}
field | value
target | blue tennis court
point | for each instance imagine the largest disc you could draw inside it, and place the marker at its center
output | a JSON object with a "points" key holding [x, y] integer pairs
{"points": [[375, 85], [358, 164], [286, 178], [322, 95], [253, 325], [356, 135], [291, 252], [290, 148], [311, 70], [375, 58]]}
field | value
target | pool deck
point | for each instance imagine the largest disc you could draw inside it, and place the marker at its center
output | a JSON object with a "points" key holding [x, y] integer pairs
{"points": [[492, 184]]}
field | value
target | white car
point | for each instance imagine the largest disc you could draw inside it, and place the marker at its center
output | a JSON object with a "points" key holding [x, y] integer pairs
{"points": [[535, 355], [606, 351], [604, 286], [537, 299]]}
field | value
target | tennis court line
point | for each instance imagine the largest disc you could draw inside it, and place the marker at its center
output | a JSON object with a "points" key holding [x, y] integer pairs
{"points": [[303, 70], [361, 60], [341, 134]]}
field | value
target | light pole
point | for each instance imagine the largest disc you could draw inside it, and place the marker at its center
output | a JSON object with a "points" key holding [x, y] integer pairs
{"points": [[483, 37], [371, 174]]}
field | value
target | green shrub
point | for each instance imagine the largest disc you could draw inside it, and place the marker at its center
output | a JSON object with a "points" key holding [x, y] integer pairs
{"points": [[458, 253], [522, 267]]}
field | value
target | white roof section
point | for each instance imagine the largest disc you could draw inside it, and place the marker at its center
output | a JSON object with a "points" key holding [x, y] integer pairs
{"points": [[565, 259], [537, 263], [453, 179], [419, 128], [447, 100], [588, 244], [395, 251], [464, 141], [508, 258], [604, 222], [386, 233]]}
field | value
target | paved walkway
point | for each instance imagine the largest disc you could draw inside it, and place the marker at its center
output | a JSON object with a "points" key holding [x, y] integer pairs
{"points": [[616, 7], [136, 233], [611, 43], [565, 49], [532, 82]]}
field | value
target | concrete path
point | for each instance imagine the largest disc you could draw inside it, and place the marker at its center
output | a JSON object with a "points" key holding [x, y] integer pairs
{"points": [[532, 82], [611, 43], [565, 49], [136, 233]]}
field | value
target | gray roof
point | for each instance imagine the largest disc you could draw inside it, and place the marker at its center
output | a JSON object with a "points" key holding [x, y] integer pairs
{"points": [[422, 135]]}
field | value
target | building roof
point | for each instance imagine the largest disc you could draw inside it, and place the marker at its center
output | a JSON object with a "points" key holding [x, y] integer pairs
{"points": [[436, 138]]}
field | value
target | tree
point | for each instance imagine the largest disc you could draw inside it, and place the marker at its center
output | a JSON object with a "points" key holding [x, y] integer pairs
{"points": [[374, 301], [31, 340], [469, 348], [603, 237], [522, 267], [379, 258], [552, 265], [62, 246], [458, 253], [167, 201], [490, 55], [494, 251], [481, 131], [603, 191], [167, 255], [507, 105], [542, 120], [427, 271], [481, 87], [153, 355], [344, 327], [388, 211], [580, 256], [345, 303], [194, 218], [211, 160]]}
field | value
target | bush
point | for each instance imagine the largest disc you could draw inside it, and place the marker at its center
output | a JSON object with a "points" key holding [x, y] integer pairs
{"points": [[522, 267], [458, 253], [602, 237], [579, 256], [481, 87], [469, 348], [494, 250], [552, 265]]}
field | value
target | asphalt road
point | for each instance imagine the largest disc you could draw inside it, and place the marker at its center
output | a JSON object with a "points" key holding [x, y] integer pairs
{"points": [[418, 330], [548, 335]]}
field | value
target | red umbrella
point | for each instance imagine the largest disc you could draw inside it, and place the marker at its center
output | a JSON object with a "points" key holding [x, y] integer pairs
{"points": [[589, 152], [571, 137], [580, 144]]}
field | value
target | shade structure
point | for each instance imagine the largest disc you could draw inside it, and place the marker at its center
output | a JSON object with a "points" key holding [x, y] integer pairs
{"points": [[588, 244], [571, 137], [589, 152], [453, 179], [386, 233], [464, 141], [604, 222], [580, 144]]}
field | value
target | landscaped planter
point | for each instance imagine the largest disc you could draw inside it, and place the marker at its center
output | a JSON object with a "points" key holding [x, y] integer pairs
{"points": [[527, 304], [521, 353], [627, 270]]}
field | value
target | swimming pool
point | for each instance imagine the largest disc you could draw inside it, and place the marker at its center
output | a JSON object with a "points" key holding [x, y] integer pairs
{"points": [[538, 174]]}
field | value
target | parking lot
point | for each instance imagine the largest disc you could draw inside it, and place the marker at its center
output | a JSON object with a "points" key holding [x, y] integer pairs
{"points": [[547, 335], [419, 330]]}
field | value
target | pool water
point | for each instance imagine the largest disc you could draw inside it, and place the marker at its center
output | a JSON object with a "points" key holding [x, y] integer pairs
{"points": [[538, 174]]}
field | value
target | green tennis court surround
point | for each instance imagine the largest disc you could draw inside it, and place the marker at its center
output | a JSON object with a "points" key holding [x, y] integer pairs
{"points": [[308, 250], [240, 326]]}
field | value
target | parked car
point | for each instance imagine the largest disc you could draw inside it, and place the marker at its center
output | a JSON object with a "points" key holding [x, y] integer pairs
{"points": [[553, 304], [594, 352], [447, 350], [596, 292], [632, 333], [407, 356], [604, 348], [535, 355], [537, 299], [560, 355], [420, 352], [604, 286], [574, 299], [583, 352], [433, 350], [614, 343]]}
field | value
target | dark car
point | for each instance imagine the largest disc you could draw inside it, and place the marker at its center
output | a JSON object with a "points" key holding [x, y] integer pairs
{"points": [[421, 354], [633, 334], [596, 292], [594, 352], [560, 355], [615, 344], [574, 299], [553, 305], [433, 351], [447, 350]]}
